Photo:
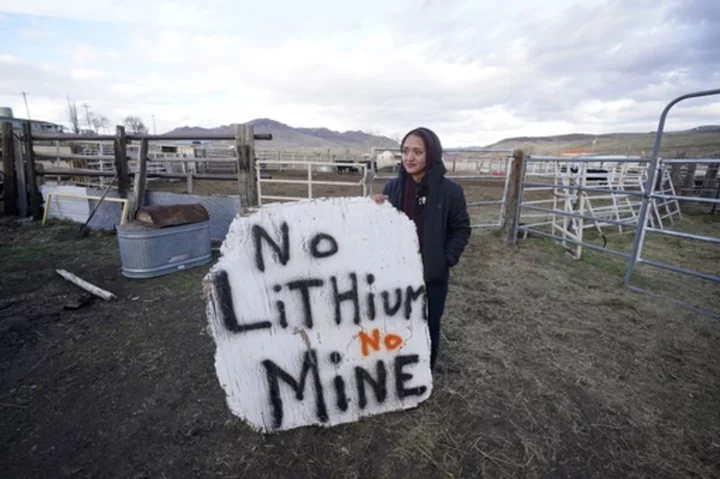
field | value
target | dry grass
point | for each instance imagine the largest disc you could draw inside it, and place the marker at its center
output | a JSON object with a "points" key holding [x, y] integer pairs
{"points": [[549, 367], [694, 145]]}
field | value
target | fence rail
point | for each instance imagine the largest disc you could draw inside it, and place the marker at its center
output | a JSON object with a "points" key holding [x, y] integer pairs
{"points": [[135, 137], [309, 181], [503, 175], [244, 146]]}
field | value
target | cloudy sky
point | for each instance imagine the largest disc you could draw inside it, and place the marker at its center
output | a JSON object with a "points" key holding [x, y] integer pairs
{"points": [[476, 71]]}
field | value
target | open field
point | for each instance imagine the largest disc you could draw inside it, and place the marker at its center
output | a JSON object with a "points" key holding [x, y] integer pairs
{"points": [[548, 368]]}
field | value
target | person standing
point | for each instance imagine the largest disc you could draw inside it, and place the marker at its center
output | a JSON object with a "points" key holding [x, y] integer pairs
{"points": [[438, 208]]}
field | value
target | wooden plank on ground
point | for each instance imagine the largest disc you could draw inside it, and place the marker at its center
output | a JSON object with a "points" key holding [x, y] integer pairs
{"points": [[90, 288]]}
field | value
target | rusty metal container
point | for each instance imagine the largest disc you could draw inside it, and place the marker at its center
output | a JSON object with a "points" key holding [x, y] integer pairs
{"points": [[149, 251], [162, 216]]}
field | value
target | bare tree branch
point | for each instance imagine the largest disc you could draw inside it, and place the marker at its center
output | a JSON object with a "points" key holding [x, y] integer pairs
{"points": [[100, 122], [134, 125], [73, 117]]}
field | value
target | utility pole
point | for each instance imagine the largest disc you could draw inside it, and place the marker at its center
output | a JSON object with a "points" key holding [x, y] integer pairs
{"points": [[87, 114], [27, 109], [154, 128]]}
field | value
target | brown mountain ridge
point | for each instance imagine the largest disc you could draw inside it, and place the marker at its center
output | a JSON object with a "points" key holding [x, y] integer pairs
{"points": [[286, 136]]}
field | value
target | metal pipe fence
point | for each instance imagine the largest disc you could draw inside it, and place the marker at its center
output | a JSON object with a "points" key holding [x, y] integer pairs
{"points": [[643, 216], [499, 176], [655, 190], [309, 181]]}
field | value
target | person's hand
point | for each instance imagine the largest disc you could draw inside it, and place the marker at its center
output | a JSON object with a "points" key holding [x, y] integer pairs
{"points": [[380, 199]]}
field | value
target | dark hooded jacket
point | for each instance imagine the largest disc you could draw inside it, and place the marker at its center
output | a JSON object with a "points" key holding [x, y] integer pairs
{"points": [[438, 209]]}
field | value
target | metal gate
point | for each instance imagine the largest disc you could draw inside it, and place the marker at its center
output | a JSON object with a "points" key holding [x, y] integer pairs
{"points": [[650, 193]]}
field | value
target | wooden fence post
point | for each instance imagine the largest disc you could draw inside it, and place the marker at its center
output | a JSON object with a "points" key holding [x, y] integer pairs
{"points": [[709, 180], [20, 184], [676, 171], [30, 173], [245, 148], [508, 228], [121, 163], [687, 183], [137, 200], [8, 160]]}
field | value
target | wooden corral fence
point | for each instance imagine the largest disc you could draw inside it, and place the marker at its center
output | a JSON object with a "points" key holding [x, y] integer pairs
{"points": [[131, 160], [21, 195], [22, 170]]}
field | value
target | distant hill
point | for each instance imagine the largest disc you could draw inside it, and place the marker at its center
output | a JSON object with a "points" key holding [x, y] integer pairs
{"points": [[285, 136], [701, 141]]}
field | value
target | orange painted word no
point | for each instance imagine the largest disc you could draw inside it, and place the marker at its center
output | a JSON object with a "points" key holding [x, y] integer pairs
{"points": [[392, 341]]}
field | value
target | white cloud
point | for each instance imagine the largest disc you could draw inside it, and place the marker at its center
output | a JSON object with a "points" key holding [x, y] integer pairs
{"points": [[473, 71], [179, 13], [84, 53], [8, 59], [33, 34], [85, 74]]}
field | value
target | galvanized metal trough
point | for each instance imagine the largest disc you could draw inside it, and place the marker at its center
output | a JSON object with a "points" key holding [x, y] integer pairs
{"points": [[164, 239]]}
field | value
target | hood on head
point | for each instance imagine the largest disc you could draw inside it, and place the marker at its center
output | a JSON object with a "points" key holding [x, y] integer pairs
{"points": [[434, 166]]}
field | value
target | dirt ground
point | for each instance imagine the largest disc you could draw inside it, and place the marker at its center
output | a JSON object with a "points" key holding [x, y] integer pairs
{"points": [[549, 367]]}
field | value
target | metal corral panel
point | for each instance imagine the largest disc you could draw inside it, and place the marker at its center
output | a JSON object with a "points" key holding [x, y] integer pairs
{"points": [[149, 252], [73, 209], [222, 209], [109, 214], [78, 210]]}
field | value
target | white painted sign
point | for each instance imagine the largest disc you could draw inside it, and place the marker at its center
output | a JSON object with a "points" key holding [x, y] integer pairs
{"points": [[319, 314]]}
